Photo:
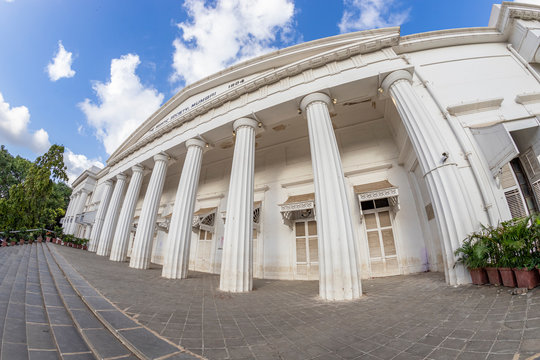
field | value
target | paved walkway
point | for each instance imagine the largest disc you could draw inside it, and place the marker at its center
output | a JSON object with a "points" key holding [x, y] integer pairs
{"points": [[48, 311], [402, 317]]}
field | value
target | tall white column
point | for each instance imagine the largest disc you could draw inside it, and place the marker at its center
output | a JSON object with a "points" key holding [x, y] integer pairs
{"points": [[441, 174], [123, 228], [142, 245], [105, 238], [71, 216], [237, 259], [79, 207], [72, 200], [178, 242], [339, 277], [100, 216]]}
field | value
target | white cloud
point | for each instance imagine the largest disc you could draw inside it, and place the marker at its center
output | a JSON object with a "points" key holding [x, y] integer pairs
{"points": [[226, 32], [371, 14], [14, 128], [61, 64], [124, 103], [77, 163]]}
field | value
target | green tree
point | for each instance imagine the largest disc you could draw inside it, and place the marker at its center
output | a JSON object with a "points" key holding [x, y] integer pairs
{"points": [[40, 199], [13, 171]]}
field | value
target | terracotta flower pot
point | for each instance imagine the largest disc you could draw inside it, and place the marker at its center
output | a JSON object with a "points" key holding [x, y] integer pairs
{"points": [[4, 243], [85, 247], [21, 242], [47, 239], [479, 276], [507, 276], [527, 278], [493, 276]]}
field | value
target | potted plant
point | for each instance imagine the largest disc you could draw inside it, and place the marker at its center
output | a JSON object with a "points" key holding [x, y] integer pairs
{"points": [[85, 244], [525, 269], [473, 254], [13, 241]]}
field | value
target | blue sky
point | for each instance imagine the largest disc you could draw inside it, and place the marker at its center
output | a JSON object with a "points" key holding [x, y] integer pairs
{"points": [[112, 63]]}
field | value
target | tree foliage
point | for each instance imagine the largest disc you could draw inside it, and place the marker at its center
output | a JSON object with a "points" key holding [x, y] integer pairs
{"points": [[39, 196], [13, 171]]}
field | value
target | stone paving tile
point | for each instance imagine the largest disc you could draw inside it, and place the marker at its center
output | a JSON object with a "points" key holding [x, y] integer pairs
{"points": [[402, 317]]}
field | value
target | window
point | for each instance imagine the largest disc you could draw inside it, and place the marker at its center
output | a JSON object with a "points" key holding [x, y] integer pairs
{"points": [[307, 250], [380, 237]]}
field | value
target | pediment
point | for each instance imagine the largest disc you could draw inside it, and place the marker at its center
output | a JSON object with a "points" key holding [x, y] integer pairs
{"points": [[232, 82]]}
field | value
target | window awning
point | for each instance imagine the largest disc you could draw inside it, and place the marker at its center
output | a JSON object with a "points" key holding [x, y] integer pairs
{"points": [[378, 190], [256, 214], [298, 207], [204, 218]]}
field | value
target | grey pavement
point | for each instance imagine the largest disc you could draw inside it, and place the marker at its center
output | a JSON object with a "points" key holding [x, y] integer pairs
{"points": [[400, 317], [48, 311]]}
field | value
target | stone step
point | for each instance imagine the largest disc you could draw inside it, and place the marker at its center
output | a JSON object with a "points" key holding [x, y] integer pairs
{"points": [[67, 338], [102, 343], [143, 342], [14, 345], [41, 344]]}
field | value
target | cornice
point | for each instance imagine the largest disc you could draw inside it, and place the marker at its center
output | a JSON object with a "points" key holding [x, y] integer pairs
{"points": [[387, 39]]}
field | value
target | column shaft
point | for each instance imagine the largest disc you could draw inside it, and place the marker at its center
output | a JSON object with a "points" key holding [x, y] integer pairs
{"points": [[81, 202], [71, 212], [237, 259], [105, 238], [338, 249], [65, 225], [100, 216], [442, 178], [179, 239], [142, 245], [123, 228]]}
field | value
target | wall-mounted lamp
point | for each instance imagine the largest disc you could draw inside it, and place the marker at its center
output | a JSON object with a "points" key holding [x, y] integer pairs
{"points": [[445, 156], [334, 101]]}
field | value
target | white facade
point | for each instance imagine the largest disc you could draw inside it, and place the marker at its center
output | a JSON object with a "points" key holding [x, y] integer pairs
{"points": [[360, 155]]}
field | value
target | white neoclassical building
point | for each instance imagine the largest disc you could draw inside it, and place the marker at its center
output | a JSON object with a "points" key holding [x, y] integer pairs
{"points": [[359, 155]]}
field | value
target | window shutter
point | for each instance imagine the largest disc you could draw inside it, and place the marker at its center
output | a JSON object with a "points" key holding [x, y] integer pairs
{"points": [[531, 165], [507, 177], [513, 198]]}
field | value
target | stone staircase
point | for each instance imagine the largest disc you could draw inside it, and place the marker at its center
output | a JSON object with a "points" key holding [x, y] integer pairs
{"points": [[49, 311]]}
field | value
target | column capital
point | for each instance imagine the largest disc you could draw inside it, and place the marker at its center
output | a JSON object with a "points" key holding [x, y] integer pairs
{"points": [[161, 157], [245, 122], [121, 177], [195, 142], [86, 191], [395, 76], [108, 182], [308, 99], [137, 168]]}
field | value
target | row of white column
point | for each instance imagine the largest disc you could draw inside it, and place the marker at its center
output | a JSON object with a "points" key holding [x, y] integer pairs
{"points": [[338, 249], [75, 207]]}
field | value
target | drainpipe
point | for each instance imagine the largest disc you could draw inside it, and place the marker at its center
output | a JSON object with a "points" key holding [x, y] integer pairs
{"points": [[457, 130]]}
